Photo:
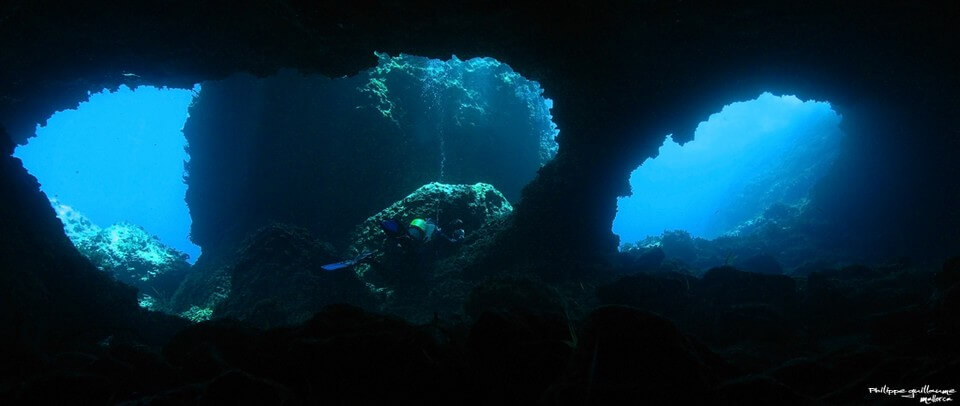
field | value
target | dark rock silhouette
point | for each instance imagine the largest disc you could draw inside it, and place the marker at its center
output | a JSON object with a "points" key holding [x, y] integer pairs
{"points": [[277, 280]]}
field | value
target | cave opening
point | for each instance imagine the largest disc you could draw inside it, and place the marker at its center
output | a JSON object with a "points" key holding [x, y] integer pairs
{"points": [[752, 159], [323, 163], [326, 153], [113, 169]]}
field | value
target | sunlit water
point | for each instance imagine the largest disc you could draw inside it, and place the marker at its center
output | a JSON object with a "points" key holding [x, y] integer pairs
{"points": [[119, 157], [744, 158]]}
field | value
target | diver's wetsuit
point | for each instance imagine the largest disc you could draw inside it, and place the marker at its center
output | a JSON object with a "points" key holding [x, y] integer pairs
{"points": [[406, 242], [410, 255]]}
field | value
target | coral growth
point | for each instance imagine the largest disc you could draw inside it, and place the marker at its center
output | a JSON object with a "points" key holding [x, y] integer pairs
{"points": [[474, 205], [417, 281], [128, 253], [463, 84], [276, 279], [275, 276], [782, 239]]}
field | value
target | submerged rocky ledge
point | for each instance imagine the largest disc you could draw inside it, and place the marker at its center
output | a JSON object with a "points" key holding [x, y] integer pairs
{"points": [[731, 337]]}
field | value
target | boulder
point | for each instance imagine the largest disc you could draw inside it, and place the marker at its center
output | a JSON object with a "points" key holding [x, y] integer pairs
{"points": [[949, 275], [512, 293], [642, 259], [341, 355], [474, 205], [518, 355], [763, 263], [664, 293], [728, 286], [746, 306], [627, 356], [277, 279], [760, 390], [680, 245], [418, 280]]}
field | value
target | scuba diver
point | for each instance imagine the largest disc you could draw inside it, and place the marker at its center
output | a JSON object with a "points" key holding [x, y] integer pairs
{"points": [[420, 234], [424, 231], [416, 238]]}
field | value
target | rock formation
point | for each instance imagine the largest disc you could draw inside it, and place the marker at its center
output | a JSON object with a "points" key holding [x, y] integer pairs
{"points": [[129, 254]]}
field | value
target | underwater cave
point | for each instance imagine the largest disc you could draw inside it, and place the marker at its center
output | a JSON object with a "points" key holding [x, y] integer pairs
{"points": [[291, 148], [277, 202]]}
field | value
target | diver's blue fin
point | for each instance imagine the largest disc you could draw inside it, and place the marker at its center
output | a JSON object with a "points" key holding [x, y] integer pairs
{"points": [[363, 255], [338, 265], [348, 263]]}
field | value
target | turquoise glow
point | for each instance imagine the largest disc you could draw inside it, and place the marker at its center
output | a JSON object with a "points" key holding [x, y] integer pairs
{"points": [[748, 156], [119, 157]]}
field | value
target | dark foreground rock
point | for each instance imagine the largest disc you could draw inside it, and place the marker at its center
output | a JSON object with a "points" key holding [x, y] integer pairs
{"points": [[275, 279], [341, 356], [626, 354], [51, 297], [345, 355]]}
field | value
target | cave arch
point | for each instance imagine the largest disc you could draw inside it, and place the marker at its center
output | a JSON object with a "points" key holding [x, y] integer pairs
{"points": [[745, 158], [118, 158]]}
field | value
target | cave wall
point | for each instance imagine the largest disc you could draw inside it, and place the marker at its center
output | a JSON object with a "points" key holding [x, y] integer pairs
{"points": [[887, 197], [286, 149], [622, 74], [52, 296], [325, 154]]}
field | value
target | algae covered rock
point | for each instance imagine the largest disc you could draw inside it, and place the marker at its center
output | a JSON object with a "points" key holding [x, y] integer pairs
{"points": [[781, 240], [765, 264], [275, 276], [76, 226], [134, 256], [204, 287], [417, 281], [505, 293], [129, 253], [474, 205], [277, 279]]}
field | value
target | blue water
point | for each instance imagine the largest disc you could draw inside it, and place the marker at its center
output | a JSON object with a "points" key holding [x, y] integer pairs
{"points": [[119, 157], [741, 160]]}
